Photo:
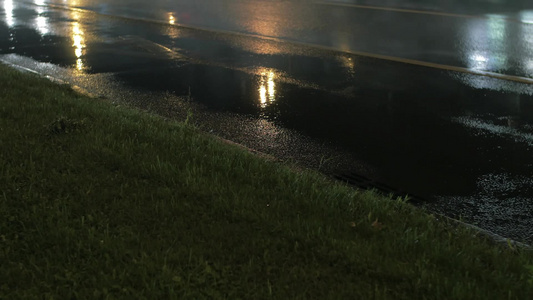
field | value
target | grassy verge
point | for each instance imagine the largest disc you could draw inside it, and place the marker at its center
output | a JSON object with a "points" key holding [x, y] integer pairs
{"points": [[104, 202]]}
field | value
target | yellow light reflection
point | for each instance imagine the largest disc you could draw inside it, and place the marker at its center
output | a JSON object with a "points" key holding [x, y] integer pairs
{"points": [[254, 21], [267, 88], [78, 43], [265, 130], [8, 8], [263, 46], [173, 31], [348, 63], [262, 95]]}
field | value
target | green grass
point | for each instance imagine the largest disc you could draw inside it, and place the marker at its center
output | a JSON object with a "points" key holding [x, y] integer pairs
{"points": [[98, 201]]}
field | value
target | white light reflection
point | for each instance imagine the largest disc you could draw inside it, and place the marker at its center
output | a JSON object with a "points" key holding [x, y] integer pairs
{"points": [[526, 16], [497, 25], [526, 37], [41, 22], [486, 44], [267, 88], [42, 25], [498, 35], [8, 8], [529, 67], [482, 126], [478, 61]]}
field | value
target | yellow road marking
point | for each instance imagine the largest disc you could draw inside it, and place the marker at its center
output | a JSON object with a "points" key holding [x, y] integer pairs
{"points": [[414, 11], [445, 67]]}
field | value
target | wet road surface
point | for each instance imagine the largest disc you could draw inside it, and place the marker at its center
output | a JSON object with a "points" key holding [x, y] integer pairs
{"points": [[484, 42], [397, 96]]}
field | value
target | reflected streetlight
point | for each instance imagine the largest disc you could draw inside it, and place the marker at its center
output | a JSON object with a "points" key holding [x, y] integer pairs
{"points": [[526, 36], [41, 22], [267, 88], [42, 25], [78, 44], [8, 8], [483, 35], [478, 61], [348, 63], [171, 19], [172, 31], [526, 16], [78, 40]]}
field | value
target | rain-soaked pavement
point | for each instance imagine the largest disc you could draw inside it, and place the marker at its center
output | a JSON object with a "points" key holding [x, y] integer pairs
{"points": [[434, 101]]}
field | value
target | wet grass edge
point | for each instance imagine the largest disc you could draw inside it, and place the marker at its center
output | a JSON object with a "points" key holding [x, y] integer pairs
{"points": [[106, 201]]}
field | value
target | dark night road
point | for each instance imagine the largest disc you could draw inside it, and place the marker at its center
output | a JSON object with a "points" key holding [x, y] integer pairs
{"points": [[435, 101]]}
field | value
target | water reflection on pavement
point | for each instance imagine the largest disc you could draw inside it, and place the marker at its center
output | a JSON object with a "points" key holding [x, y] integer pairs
{"points": [[458, 138]]}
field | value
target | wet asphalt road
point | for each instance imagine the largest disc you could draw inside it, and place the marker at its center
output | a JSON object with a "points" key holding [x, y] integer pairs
{"points": [[479, 37], [396, 96]]}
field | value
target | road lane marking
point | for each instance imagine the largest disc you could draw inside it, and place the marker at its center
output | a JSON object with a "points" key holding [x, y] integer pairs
{"points": [[420, 12], [506, 77], [444, 67]]}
